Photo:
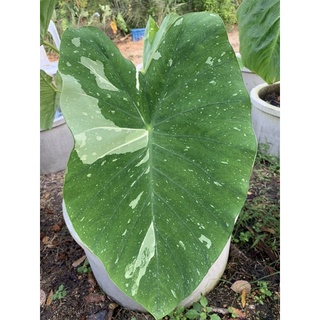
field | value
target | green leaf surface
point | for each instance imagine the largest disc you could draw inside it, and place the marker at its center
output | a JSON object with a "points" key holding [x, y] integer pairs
{"points": [[153, 38], [46, 11], [162, 160], [203, 301], [192, 314], [48, 94], [259, 36]]}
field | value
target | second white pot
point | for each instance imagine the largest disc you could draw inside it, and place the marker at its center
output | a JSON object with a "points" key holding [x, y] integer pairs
{"points": [[55, 147], [266, 118]]}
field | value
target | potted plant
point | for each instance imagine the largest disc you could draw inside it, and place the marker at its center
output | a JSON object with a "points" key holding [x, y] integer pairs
{"points": [[259, 37], [162, 158], [56, 141]]}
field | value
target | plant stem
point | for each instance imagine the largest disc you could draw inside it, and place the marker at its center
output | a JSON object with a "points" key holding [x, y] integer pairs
{"points": [[51, 46]]}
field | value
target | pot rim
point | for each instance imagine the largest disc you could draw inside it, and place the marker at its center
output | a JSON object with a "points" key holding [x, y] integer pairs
{"points": [[260, 103], [56, 123]]}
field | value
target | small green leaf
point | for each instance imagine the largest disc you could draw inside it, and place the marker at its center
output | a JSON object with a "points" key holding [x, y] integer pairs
{"points": [[154, 37], [208, 309], [196, 306], [203, 301], [48, 94], [192, 314], [60, 293], [203, 316], [180, 309]]}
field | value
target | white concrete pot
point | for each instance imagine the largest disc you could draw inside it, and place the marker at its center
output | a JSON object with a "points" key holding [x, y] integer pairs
{"points": [[266, 118], [250, 78], [55, 147], [101, 275]]}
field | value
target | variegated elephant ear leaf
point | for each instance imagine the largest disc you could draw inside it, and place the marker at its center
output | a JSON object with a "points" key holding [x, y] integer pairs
{"points": [[162, 159]]}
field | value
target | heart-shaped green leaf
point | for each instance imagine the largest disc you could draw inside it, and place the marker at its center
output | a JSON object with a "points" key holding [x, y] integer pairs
{"points": [[162, 160]]}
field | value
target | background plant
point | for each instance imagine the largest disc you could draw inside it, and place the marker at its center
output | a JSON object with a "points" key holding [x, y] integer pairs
{"points": [[135, 13], [259, 37], [262, 292], [49, 92], [85, 268], [226, 9], [199, 310], [60, 293], [258, 225]]}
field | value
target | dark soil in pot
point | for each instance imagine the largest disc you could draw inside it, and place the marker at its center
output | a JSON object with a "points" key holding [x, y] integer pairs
{"points": [[271, 94]]}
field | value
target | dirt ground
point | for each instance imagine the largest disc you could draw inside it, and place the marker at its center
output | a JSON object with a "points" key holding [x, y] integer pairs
{"points": [[62, 260]]}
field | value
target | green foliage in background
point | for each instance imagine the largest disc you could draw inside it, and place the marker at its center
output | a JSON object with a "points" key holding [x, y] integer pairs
{"points": [[226, 9], [135, 13]]}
